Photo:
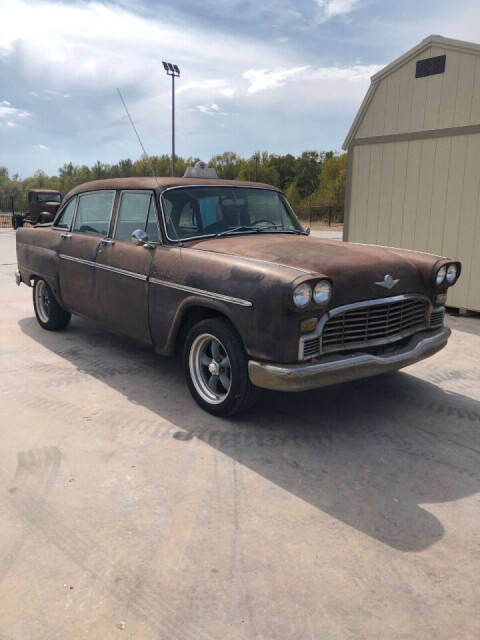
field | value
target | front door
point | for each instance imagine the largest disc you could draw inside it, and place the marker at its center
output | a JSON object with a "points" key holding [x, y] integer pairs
{"points": [[78, 250], [123, 267]]}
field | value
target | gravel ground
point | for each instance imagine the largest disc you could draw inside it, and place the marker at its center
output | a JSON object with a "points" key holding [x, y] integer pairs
{"points": [[348, 512]]}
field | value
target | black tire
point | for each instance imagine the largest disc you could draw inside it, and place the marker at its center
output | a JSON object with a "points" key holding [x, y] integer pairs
{"points": [[49, 313], [225, 400]]}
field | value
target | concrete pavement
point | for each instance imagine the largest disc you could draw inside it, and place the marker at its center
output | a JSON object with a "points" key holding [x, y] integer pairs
{"points": [[346, 513]]}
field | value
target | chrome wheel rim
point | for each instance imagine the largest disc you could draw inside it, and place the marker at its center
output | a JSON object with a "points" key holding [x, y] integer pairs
{"points": [[210, 368], [42, 300]]}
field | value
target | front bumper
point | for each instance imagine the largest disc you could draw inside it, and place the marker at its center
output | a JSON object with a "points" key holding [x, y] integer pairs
{"points": [[333, 369]]}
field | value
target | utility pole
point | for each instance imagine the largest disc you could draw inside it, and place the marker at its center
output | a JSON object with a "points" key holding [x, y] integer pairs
{"points": [[174, 71]]}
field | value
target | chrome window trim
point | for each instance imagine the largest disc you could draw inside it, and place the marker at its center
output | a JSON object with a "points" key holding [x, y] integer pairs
{"points": [[202, 186], [60, 212], [359, 305], [90, 263], [90, 193], [202, 292], [152, 195]]}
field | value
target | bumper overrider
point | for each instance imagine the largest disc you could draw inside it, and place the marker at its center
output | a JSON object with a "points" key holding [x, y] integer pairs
{"points": [[333, 369]]}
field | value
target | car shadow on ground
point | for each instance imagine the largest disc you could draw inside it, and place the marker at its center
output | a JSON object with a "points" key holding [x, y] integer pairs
{"points": [[373, 453]]}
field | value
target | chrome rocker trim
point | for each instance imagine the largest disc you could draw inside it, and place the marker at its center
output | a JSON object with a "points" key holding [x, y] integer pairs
{"points": [[333, 369], [202, 292], [105, 267]]}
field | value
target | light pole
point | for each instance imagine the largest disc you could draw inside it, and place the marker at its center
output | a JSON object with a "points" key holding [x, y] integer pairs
{"points": [[174, 71]]}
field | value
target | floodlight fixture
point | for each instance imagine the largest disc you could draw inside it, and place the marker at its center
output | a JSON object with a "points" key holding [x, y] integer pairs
{"points": [[173, 71]]}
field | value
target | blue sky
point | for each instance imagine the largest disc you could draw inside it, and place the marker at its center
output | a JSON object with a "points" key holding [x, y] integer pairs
{"points": [[282, 76]]}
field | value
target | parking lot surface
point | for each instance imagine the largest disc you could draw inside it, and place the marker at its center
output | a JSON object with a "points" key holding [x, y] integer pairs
{"points": [[126, 512]]}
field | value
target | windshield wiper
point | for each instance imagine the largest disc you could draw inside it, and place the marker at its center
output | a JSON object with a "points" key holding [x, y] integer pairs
{"points": [[242, 227]]}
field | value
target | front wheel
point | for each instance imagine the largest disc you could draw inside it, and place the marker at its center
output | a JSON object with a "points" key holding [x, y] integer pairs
{"points": [[216, 368], [50, 314]]}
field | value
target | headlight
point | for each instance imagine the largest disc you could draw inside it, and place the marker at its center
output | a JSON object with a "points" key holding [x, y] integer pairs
{"points": [[451, 273], [440, 277], [302, 295], [322, 292]]}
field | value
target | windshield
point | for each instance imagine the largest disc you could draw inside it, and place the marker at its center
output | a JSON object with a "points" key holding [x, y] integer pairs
{"points": [[49, 197], [191, 212]]}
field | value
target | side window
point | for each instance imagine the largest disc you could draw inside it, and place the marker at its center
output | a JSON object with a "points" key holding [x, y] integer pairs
{"points": [[93, 212], [136, 211], [66, 216]]}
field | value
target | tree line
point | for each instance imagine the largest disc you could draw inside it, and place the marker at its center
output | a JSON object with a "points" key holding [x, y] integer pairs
{"points": [[314, 178]]}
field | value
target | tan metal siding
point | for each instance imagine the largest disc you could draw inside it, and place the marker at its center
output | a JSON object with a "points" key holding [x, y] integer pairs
{"points": [[425, 195]]}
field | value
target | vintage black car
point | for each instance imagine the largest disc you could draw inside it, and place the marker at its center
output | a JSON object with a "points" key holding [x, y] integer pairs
{"points": [[223, 272]]}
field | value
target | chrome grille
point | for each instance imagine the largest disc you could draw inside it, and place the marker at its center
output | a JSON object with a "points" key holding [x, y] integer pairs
{"points": [[436, 317], [374, 324], [311, 347]]}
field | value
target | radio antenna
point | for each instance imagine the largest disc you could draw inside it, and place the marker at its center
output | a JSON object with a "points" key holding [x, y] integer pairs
{"points": [[180, 243], [138, 135]]}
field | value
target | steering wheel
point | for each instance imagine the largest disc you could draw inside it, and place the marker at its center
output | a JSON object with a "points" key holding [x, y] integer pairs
{"points": [[86, 227]]}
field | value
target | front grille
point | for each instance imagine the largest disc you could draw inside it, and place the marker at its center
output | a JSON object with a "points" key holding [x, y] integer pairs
{"points": [[437, 317], [375, 324], [311, 347]]}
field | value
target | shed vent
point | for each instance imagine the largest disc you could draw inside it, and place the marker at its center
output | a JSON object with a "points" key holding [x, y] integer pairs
{"points": [[430, 66]]}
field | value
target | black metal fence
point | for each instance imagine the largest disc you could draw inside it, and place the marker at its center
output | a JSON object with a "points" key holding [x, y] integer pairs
{"points": [[11, 208], [324, 214]]}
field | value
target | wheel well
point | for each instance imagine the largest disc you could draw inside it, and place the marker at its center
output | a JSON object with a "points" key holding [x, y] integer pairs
{"points": [[190, 318]]}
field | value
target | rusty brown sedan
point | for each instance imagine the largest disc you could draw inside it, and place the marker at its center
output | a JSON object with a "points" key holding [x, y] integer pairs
{"points": [[224, 273]]}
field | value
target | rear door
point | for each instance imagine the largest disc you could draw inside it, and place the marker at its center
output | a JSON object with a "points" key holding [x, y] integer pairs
{"points": [[78, 250], [123, 267]]}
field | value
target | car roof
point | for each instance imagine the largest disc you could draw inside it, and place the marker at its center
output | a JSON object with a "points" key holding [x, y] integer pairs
{"points": [[161, 183], [44, 190]]}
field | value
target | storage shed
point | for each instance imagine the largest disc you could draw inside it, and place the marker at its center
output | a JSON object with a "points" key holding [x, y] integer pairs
{"points": [[413, 176]]}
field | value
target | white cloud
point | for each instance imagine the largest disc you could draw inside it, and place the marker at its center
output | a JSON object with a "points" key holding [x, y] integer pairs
{"points": [[261, 79], [11, 114], [230, 92], [209, 109], [332, 8], [40, 147]]}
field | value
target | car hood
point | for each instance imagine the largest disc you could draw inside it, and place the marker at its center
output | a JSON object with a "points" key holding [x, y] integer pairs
{"points": [[354, 269]]}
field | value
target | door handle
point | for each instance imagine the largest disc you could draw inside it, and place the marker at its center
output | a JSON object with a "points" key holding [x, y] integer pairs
{"points": [[107, 241], [65, 235]]}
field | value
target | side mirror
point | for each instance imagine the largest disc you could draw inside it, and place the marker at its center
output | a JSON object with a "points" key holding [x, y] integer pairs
{"points": [[46, 216], [139, 237]]}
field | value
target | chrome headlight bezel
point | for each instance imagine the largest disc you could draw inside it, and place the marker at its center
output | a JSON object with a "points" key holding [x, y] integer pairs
{"points": [[322, 292], [451, 269], [303, 289], [440, 275]]}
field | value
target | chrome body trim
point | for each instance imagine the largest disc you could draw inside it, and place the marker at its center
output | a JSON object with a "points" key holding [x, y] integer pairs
{"points": [[90, 263], [359, 305], [333, 369], [201, 292]]}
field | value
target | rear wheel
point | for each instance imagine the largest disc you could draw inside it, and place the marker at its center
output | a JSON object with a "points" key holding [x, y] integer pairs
{"points": [[216, 368], [50, 314]]}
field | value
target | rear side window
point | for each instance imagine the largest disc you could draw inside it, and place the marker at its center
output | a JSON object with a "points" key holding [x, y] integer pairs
{"points": [[93, 213], [66, 216], [136, 211]]}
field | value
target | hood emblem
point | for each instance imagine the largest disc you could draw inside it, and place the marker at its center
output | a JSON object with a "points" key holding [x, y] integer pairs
{"points": [[388, 282]]}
